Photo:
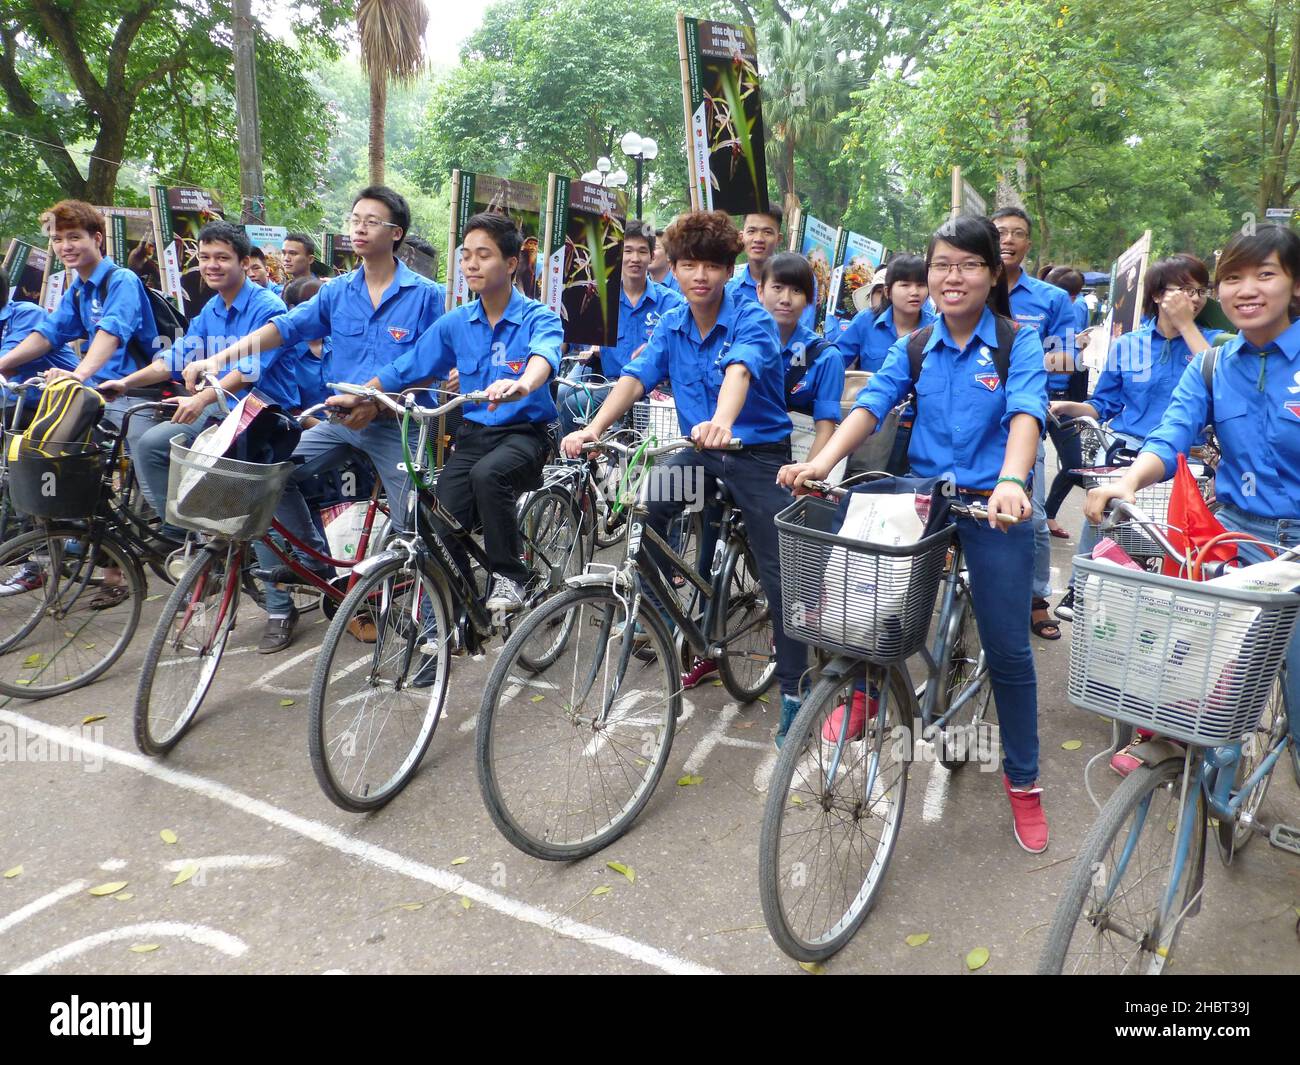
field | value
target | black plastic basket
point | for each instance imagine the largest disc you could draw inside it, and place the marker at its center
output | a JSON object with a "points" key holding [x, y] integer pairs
{"points": [[66, 486], [853, 597]]}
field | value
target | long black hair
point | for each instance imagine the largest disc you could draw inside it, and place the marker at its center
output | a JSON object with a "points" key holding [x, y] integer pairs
{"points": [[978, 236]]}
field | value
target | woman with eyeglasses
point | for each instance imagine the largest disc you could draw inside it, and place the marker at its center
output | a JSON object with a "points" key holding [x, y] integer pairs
{"points": [[1144, 367], [978, 427]]}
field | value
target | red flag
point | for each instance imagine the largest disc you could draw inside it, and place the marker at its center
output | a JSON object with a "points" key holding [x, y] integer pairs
{"points": [[1191, 525]]}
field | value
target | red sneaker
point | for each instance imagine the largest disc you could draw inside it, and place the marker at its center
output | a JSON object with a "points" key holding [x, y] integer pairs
{"points": [[1027, 817], [861, 709], [702, 670]]}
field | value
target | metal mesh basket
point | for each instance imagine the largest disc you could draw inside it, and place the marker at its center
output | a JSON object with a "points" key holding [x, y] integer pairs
{"points": [[66, 486], [224, 497], [1152, 501], [1194, 662], [854, 597], [658, 417]]}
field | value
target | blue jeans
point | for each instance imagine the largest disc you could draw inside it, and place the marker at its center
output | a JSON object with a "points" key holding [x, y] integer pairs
{"points": [[1042, 536], [325, 447], [1001, 567], [1091, 534], [1286, 533]]}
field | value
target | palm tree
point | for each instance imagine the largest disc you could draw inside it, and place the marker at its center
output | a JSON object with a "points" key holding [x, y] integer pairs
{"points": [[392, 50]]}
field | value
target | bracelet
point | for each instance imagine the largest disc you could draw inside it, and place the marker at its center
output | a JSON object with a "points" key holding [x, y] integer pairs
{"points": [[1014, 480]]}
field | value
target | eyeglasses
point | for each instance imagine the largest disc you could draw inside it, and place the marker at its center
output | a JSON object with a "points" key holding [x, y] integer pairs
{"points": [[969, 268], [357, 222], [1194, 293], [1018, 234]]}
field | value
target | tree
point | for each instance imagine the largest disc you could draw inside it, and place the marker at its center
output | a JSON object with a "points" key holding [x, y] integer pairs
{"points": [[392, 50], [252, 192]]}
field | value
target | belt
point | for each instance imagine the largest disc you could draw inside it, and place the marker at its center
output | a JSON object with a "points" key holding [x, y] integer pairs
{"points": [[983, 493], [763, 449]]}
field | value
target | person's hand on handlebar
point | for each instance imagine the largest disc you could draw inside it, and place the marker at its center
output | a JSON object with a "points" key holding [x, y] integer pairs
{"points": [[194, 372], [356, 412], [794, 475], [1094, 507], [506, 390], [1008, 498], [711, 434], [189, 408], [112, 389], [576, 442]]}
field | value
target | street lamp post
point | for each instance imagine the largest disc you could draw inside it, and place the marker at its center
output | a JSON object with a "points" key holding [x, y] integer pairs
{"points": [[643, 150]]}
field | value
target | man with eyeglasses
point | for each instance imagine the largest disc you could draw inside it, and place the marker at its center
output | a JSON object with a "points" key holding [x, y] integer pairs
{"points": [[1047, 309], [372, 317], [761, 239]]}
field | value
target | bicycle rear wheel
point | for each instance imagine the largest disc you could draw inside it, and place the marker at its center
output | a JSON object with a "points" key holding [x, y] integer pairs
{"points": [[569, 756], [1125, 903], [185, 649], [1234, 833], [834, 807], [748, 662], [52, 640], [375, 705], [554, 550]]}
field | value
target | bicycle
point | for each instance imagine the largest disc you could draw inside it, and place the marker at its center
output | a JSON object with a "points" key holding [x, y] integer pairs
{"points": [[570, 747], [835, 800], [1203, 667], [374, 711]]}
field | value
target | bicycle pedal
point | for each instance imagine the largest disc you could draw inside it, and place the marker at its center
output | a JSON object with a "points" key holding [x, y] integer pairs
{"points": [[1286, 838]]}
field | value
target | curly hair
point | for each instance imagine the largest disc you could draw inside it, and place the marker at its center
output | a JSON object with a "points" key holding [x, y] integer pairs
{"points": [[73, 214], [706, 236]]}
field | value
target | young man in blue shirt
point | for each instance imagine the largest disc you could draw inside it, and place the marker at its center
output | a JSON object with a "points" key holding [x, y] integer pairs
{"points": [[661, 269], [1047, 309], [259, 273], [238, 307], [723, 357], [373, 317], [297, 256], [509, 346], [761, 238]]}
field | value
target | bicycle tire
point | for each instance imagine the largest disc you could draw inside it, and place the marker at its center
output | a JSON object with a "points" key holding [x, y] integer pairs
{"points": [[178, 631], [742, 603], [1091, 871], [382, 598], [515, 786], [1232, 833], [551, 525], [43, 639], [962, 737]]}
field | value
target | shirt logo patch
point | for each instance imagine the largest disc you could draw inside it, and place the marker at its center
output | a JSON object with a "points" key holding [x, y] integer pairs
{"points": [[989, 380], [985, 358], [1293, 389], [799, 387], [515, 367], [398, 333], [1293, 407]]}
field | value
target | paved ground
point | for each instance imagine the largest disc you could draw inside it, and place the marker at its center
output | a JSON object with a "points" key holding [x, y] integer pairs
{"points": [[289, 883]]}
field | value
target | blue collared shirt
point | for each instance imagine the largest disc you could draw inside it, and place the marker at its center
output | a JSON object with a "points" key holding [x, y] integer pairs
{"points": [[963, 412], [818, 392], [216, 326], [484, 353], [742, 283], [670, 282], [1256, 416], [1048, 310], [868, 337], [312, 372], [367, 340], [18, 320], [1142, 370], [636, 324], [1081, 314], [123, 312], [744, 333]]}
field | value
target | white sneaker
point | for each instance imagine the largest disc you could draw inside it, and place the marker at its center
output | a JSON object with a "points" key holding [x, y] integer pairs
{"points": [[506, 595]]}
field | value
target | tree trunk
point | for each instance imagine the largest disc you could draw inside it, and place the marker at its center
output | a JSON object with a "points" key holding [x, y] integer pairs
{"points": [[252, 191], [378, 109], [787, 178]]}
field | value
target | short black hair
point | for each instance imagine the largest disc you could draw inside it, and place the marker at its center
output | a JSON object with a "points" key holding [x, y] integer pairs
{"points": [[1177, 270], [501, 229], [227, 233], [422, 246], [643, 230], [790, 268], [773, 212], [301, 289], [905, 268], [396, 203], [1253, 247], [254, 252], [1012, 212], [1068, 278], [308, 245]]}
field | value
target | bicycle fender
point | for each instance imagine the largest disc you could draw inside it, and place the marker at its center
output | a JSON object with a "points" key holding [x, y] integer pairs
{"points": [[1153, 751], [367, 565]]}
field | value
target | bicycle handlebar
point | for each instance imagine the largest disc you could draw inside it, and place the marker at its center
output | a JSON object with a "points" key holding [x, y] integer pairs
{"points": [[408, 401], [969, 510], [678, 444], [20, 386]]}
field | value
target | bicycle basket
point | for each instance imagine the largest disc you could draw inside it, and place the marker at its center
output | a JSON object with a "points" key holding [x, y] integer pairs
{"points": [[1191, 661], [853, 597], [224, 497], [1152, 500], [658, 417], [64, 486]]}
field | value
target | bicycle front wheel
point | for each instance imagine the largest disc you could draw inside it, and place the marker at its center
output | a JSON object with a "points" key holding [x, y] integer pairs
{"points": [[1129, 891], [748, 662], [965, 678], [379, 685], [185, 649], [834, 807], [569, 756]]}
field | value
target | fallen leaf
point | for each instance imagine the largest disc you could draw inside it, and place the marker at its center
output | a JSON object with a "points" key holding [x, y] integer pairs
{"points": [[151, 598], [1071, 745], [816, 968], [717, 684], [124, 896], [167, 835], [185, 874], [90, 719], [626, 870], [108, 889], [465, 903], [764, 699], [796, 800], [604, 889], [412, 906], [17, 870], [537, 698], [977, 958], [688, 780], [641, 761], [23, 680], [459, 861], [88, 646], [144, 948], [917, 939], [286, 702], [32, 660]]}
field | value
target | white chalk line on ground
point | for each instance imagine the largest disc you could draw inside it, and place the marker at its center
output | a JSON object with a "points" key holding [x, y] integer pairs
{"points": [[374, 855], [43, 903], [227, 944]]}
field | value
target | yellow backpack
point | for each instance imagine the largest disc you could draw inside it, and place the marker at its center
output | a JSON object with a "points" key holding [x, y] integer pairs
{"points": [[65, 419]]}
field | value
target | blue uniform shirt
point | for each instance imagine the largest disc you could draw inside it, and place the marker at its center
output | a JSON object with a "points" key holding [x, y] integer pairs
{"points": [[1081, 314], [1048, 310], [868, 337], [367, 340], [964, 413], [744, 333], [1142, 371], [1256, 416], [743, 284], [670, 282], [484, 353], [636, 324], [216, 326], [18, 320], [313, 373], [818, 392], [123, 312]]}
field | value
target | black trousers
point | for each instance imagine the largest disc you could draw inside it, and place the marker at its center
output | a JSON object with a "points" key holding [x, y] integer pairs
{"points": [[481, 483]]}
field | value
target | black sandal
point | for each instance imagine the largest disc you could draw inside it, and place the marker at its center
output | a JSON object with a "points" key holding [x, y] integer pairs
{"points": [[1039, 627]]}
